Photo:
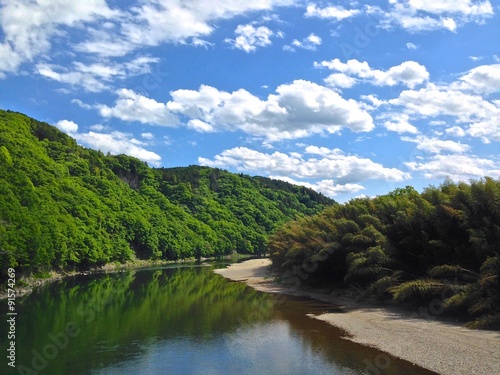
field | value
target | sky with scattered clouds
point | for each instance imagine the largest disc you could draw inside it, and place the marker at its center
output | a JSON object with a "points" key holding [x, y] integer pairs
{"points": [[349, 98]]}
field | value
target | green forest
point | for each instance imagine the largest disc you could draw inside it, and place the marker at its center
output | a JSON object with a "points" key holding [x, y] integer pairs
{"points": [[66, 207], [435, 251]]}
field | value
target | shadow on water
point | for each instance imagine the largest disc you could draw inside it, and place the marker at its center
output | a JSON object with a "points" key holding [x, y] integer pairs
{"points": [[179, 321]]}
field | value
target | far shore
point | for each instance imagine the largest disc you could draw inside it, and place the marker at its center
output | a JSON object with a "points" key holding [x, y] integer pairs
{"points": [[25, 285], [442, 347]]}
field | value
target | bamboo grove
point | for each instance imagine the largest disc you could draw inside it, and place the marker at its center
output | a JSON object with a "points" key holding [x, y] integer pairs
{"points": [[441, 246]]}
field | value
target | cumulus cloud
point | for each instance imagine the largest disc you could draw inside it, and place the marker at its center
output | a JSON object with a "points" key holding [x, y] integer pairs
{"points": [[455, 131], [67, 126], [428, 15], [337, 13], [131, 106], [327, 187], [115, 142], [321, 163], [433, 101], [95, 77], [487, 131], [119, 143], [436, 145], [29, 26], [482, 79], [295, 110], [311, 42], [465, 7], [187, 19], [456, 166], [408, 73], [399, 123], [248, 37], [197, 42], [147, 136]]}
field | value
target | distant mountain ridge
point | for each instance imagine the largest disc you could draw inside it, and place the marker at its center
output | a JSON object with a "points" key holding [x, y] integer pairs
{"points": [[65, 206]]}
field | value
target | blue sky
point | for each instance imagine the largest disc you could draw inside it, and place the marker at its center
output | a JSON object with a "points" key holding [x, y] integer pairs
{"points": [[349, 98]]}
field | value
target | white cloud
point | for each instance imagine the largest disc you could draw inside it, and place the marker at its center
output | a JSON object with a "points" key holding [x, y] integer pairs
{"points": [[131, 107], [330, 12], [449, 23], [115, 142], [437, 122], [296, 110], [322, 163], [486, 130], [400, 124], [327, 187], [455, 131], [146, 25], [411, 46], [311, 42], [29, 26], [67, 126], [375, 102], [436, 145], [97, 127], [85, 80], [105, 43], [95, 77], [340, 80], [482, 79], [197, 42], [457, 167], [428, 15], [249, 37], [9, 59], [409, 73], [119, 143], [200, 126], [148, 136], [433, 101], [466, 7]]}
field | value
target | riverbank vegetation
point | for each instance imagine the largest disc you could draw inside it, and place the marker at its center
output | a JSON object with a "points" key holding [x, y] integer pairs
{"points": [[437, 250], [66, 207]]}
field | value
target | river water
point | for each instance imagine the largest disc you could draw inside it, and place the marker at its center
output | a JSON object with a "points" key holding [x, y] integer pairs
{"points": [[179, 320]]}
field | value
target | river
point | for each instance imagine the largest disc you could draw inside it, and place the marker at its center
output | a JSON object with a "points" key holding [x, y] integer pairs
{"points": [[179, 320]]}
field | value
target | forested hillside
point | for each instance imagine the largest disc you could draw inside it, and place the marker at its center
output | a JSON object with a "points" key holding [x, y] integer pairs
{"points": [[438, 250], [63, 206]]}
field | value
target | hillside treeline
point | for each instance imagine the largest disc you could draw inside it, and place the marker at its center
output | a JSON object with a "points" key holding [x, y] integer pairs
{"points": [[437, 252], [63, 206]]}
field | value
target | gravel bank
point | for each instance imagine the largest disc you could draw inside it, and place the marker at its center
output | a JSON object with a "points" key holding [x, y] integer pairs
{"points": [[442, 347]]}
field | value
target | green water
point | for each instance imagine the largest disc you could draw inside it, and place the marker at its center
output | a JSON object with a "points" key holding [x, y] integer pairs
{"points": [[179, 320]]}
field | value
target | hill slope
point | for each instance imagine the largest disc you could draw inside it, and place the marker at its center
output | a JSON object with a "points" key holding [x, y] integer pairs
{"points": [[65, 206]]}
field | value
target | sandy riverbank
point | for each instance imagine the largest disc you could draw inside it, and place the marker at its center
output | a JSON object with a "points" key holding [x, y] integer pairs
{"points": [[445, 348]]}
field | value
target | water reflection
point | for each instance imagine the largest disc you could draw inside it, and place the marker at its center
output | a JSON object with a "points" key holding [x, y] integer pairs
{"points": [[177, 321]]}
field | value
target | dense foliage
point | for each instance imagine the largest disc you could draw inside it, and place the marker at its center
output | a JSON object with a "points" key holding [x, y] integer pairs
{"points": [[63, 206], [438, 249]]}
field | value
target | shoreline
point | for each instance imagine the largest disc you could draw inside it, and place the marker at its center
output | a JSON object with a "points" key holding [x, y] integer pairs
{"points": [[439, 346], [26, 285]]}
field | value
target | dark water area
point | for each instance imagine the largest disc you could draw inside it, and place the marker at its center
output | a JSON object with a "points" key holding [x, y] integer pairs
{"points": [[178, 320]]}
